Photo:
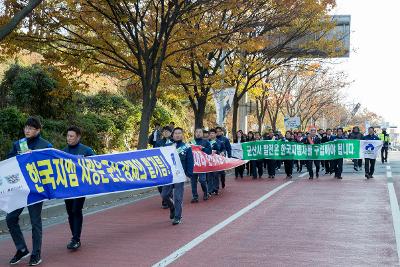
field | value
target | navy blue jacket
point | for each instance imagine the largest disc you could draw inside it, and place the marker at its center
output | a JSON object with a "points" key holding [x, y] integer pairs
{"points": [[151, 137], [205, 145], [163, 142], [327, 138], [266, 138], [335, 137], [290, 140], [354, 135], [227, 145], [33, 144], [370, 137], [217, 145], [80, 150], [186, 157], [317, 140]]}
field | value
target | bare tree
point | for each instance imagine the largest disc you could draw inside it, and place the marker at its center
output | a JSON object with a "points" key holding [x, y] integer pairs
{"points": [[315, 93]]}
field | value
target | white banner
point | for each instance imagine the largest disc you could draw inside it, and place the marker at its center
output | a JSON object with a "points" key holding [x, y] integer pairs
{"points": [[237, 151], [370, 148], [14, 189], [292, 123], [223, 103]]}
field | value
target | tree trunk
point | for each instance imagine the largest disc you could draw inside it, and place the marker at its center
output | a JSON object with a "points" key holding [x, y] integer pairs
{"points": [[201, 111], [148, 106], [260, 114], [273, 124], [260, 121], [147, 113], [7, 28], [198, 119]]}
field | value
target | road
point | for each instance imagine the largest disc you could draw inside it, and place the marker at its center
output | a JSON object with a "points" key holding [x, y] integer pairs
{"points": [[320, 222]]}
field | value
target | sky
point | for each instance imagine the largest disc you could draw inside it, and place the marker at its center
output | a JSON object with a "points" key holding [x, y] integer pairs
{"points": [[374, 62]]}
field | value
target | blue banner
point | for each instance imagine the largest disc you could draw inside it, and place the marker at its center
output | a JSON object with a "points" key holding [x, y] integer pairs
{"points": [[52, 174]]}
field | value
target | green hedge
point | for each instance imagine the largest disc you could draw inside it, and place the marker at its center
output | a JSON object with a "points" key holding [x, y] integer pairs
{"points": [[109, 121]]}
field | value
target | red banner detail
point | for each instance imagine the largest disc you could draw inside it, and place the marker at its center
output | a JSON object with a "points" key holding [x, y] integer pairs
{"points": [[212, 163]]}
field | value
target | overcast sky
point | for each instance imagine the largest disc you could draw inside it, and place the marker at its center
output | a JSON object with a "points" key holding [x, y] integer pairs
{"points": [[374, 66]]}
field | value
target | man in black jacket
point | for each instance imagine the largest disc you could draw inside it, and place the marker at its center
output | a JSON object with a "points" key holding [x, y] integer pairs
{"points": [[312, 139], [166, 137], [370, 163], [338, 163], [227, 145], [201, 177], [257, 164], [165, 141], [32, 141], [271, 163], [155, 135], [219, 148], [74, 206], [356, 135], [186, 156], [327, 137]]}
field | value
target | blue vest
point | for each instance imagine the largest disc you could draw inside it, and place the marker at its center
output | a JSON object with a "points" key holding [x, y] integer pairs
{"points": [[33, 144]]}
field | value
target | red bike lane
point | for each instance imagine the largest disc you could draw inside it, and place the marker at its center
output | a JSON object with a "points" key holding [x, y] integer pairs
{"points": [[323, 222], [140, 234]]}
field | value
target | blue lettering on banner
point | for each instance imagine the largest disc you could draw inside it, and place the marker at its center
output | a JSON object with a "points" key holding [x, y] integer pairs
{"points": [[52, 174]]}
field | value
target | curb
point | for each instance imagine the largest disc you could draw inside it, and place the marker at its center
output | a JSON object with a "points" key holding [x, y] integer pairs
{"points": [[58, 209]]}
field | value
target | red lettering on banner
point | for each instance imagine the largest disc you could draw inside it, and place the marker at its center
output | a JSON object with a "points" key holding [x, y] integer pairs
{"points": [[212, 163]]}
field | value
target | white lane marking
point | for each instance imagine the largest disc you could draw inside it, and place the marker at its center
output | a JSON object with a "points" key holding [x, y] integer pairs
{"points": [[389, 172], [394, 205], [303, 174], [181, 251]]}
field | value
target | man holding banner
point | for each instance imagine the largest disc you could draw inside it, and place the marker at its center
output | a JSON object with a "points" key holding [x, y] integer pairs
{"points": [[227, 145], [74, 206], [338, 163], [201, 177], [357, 135], [165, 141], [271, 163], [327, 137], [312, 139], [257, 165], [186, 157], [370, 162], [219, 148], [288, 163], [32, 141]]}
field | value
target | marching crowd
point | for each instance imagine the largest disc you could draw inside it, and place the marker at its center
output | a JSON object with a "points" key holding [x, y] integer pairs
{"points": [[211, 141], [256, 167], [214, 141]]}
